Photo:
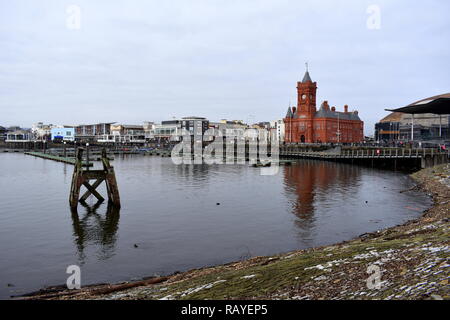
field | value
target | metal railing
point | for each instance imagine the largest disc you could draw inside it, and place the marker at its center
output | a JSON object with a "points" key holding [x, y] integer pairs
{"points": [[367, 153]]}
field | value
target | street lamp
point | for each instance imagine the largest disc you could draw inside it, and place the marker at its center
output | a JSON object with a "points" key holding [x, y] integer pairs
{"points": [[390, 131], [87, 155]]}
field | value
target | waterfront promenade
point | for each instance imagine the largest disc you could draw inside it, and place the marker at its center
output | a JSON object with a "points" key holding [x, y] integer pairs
{"points": [[425, 157]]}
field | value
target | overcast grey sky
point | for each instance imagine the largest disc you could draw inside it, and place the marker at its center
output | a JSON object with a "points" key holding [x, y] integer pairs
{"points": [[133, 61]]}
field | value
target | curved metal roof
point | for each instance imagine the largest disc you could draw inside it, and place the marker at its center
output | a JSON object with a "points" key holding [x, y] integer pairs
{"points": [[437, 104]]}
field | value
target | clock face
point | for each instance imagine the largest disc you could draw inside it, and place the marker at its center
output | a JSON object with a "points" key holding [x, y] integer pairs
{"points": [[304, 96]]}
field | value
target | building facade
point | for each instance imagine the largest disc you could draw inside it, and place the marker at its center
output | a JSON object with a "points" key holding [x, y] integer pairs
{"points": [[168, 130], [305, 124], [63, 134], [41, 131], [427, 126], [19, 136], [3, 132], [196, 126], [124, 133], [91, 132], [278, 127]]}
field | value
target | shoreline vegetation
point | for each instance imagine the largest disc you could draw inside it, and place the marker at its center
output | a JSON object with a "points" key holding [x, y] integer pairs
{"points": [[413, 258]]}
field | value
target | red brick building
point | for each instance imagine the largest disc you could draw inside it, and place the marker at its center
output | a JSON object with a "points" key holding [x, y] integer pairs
{"points": [[305, 124]]}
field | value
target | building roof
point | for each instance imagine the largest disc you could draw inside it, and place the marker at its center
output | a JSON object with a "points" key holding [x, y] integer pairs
{"points": [[327, 113], [439, 104], [392, 117], [130, 126], [170, 122], [18, 132], [306, 77], [96, 124], [193, 118]]}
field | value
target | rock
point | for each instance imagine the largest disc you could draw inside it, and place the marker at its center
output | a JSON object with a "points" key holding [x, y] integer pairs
{"points": [[135, 245], [320, 278]]}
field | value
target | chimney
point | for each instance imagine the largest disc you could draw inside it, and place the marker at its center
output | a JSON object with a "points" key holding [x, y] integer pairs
{"points": [[346, 108]]}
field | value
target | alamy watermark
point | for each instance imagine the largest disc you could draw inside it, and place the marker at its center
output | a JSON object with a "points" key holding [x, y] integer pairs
{"points": [[374, 280], [73, 20], [258, 146], [74, 280], [374, 19]]}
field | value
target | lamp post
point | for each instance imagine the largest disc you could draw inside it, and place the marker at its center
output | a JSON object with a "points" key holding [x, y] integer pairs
{"points": [[64, 149], [390, 131], [87, 155]]}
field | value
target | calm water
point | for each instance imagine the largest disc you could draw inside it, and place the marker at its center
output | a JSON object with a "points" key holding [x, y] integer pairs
{"points": [[171, 213]]}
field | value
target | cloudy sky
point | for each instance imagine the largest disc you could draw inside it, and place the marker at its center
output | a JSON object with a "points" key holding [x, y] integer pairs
{"points": [[133, 61]]}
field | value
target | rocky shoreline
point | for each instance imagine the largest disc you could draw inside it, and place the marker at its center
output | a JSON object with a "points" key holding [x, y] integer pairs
{"points": [[413, 260]]}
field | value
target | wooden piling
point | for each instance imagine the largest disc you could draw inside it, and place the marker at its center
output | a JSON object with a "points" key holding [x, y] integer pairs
{"points": [[82, 177]]}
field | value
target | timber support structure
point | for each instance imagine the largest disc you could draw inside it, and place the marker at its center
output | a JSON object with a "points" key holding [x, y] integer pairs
{"points": [[82, 177]]}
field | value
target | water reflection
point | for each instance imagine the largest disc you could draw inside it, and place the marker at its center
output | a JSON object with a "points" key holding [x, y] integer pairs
{"points": [[310, 181], [195, 175], [93, 228]]}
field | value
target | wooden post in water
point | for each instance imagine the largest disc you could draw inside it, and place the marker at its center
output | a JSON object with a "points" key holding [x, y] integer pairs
{"points": [[82, 177]]}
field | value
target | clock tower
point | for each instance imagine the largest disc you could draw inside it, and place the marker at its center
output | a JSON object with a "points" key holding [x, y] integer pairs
{"points": [[304, 124], [306, 92]]}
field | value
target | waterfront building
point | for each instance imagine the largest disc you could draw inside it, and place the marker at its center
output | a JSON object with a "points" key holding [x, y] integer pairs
{"points": [[168, 130], [388, 128], [230, 128], [427, 119], [63, 133], [262, 125], [277, 129], [196, 126], [427, 126], [91, 132], [3, 132], [149, 130], [124, 133], [19, 136], [305, 124], [41, 131]]}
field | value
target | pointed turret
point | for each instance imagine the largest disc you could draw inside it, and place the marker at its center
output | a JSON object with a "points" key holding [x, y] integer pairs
{"points": [[307, 77], [289, 113]]}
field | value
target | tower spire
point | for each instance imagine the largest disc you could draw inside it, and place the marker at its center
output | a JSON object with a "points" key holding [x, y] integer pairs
{"points": [[306, 77]]}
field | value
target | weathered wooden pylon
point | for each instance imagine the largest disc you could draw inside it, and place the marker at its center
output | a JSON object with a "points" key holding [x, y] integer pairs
{"points": [[82, 177]]}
